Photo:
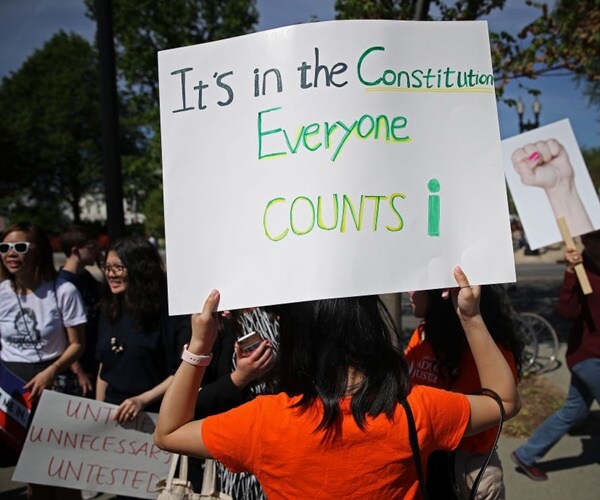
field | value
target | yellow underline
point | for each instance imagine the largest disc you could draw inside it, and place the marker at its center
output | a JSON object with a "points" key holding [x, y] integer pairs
{"points": [[396, 89]]}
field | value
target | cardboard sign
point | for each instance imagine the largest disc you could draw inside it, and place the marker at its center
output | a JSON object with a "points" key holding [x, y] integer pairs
{"points": [[332, 159], [74, 442], [14, 409], [548, 180]]}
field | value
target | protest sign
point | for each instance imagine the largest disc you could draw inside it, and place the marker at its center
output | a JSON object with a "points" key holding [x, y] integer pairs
{"points": [[14, 409], [74, 442], [331, 159], [548, 180]]}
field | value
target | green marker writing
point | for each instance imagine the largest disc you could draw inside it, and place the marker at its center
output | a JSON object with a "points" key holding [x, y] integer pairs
{"points": [[433, 218]]}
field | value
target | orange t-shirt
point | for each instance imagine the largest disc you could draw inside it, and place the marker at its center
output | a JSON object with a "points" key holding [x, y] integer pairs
{"points": [[281, 447], [422, 369]]}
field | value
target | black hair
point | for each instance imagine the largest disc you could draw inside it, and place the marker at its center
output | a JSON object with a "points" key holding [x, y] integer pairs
{"points": [[321, 341], [75, 236], [146, 294], [447, 337], [44, 259]]}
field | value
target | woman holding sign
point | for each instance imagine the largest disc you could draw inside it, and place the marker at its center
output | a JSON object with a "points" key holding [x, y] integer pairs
{"points": [[336, 428], [42, 322], [137, 340], [439, 356]]}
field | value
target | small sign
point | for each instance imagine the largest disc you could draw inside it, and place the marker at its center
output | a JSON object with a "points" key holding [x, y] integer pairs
{"points": [[74, 442]]}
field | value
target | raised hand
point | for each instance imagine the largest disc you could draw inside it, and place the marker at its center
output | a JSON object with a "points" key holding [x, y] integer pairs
{"points": [[466, 297], [205, 325], [543, 164], [546, 164]]}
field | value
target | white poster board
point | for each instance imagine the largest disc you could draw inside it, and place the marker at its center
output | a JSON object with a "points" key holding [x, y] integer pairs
{"points": [[75, 443], [548, 179], [332, 159]]}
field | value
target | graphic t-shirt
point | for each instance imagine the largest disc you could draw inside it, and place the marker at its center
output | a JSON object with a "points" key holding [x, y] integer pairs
{"points": [[423, 370], [31, 326]]}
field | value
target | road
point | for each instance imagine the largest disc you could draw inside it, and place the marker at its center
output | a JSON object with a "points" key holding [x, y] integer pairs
{"points": [[540, 272]]}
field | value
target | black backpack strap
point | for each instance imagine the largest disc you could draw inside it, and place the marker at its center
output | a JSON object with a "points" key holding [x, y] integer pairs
{"points": [[488, 392], [414, 444]]}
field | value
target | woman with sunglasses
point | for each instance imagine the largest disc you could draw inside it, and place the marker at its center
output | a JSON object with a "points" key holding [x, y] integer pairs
{"points": [[36, 310], [137, 340], [42, 318]]}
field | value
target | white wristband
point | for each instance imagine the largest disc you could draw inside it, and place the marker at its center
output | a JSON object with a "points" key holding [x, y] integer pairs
{"points": [[195, 359]]}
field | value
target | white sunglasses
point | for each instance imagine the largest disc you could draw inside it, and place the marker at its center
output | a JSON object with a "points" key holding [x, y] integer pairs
{"points": [[19, 247]]}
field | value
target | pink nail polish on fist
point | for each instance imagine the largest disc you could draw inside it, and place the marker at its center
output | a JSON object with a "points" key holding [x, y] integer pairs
{"points": [[534, 157]]}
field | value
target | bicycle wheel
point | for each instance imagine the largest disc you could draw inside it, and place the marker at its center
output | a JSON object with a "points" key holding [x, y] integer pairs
{"points": [[547, 340], [529, 339]]}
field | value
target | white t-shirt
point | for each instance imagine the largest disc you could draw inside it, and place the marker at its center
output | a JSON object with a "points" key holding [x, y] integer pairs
{"points": [[31, 326]]}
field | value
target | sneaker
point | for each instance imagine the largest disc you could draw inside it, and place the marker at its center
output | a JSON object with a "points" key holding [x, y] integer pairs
{"points": [[531, 471]]}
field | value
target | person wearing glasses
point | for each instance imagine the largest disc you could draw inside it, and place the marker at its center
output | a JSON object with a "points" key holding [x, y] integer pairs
{"points": [[42, 318], [36, 310], [137, 340]]}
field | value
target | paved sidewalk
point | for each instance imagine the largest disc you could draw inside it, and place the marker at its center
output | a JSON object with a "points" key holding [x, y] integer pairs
{"points": [[573, 464]]}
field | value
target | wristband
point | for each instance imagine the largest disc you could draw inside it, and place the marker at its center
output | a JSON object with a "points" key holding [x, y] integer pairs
{"points": [[195, 359]]}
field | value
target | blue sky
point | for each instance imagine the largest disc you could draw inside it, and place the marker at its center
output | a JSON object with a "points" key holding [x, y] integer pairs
{"points": [[26, 24]]}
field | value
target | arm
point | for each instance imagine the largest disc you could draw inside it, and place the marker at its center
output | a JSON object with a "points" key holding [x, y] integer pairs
{"points": [[569, 303], [227, 391], [175, 429], [129, 409], [83, 378], [100, 386], [45, 378], [492, 367]]}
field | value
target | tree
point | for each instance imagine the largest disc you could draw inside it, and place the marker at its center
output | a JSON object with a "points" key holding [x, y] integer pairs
{"points": [[592, 161], [459, 10], [50, 130], [141, 29], [564, 39]]}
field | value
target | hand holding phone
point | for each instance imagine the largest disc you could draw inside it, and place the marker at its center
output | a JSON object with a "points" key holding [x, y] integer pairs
{"points": [[248, 343]]}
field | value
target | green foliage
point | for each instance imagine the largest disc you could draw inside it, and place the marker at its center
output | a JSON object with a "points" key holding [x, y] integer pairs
{"points": [[592, 161], [153, 209], [374, 9], [559, 41], [564, 39], [50, 131], [141, 29], [458, 10]]}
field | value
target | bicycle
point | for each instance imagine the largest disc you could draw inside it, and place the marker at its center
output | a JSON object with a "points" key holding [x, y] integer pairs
{"points": [[539, 337], [546, 341], [530, 346]]}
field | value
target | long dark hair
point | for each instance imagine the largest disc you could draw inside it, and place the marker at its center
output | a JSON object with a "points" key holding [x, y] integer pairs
{"points": [[146, 294], [44, 261], [447, 337], [320, 341]]}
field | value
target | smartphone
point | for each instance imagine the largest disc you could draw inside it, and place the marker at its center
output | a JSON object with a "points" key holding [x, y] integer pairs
{"points": [[249, 342]]}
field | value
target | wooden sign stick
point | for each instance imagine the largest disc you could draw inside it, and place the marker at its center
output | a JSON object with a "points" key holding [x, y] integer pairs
{"points": [[579, 269]]}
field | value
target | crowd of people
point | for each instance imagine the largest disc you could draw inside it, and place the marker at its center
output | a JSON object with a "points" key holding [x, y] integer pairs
{"points": [[322, 407]]}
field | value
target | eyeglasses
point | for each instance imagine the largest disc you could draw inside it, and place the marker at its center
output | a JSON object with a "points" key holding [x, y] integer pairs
{"points": [[19, 247], [116, 270]]}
